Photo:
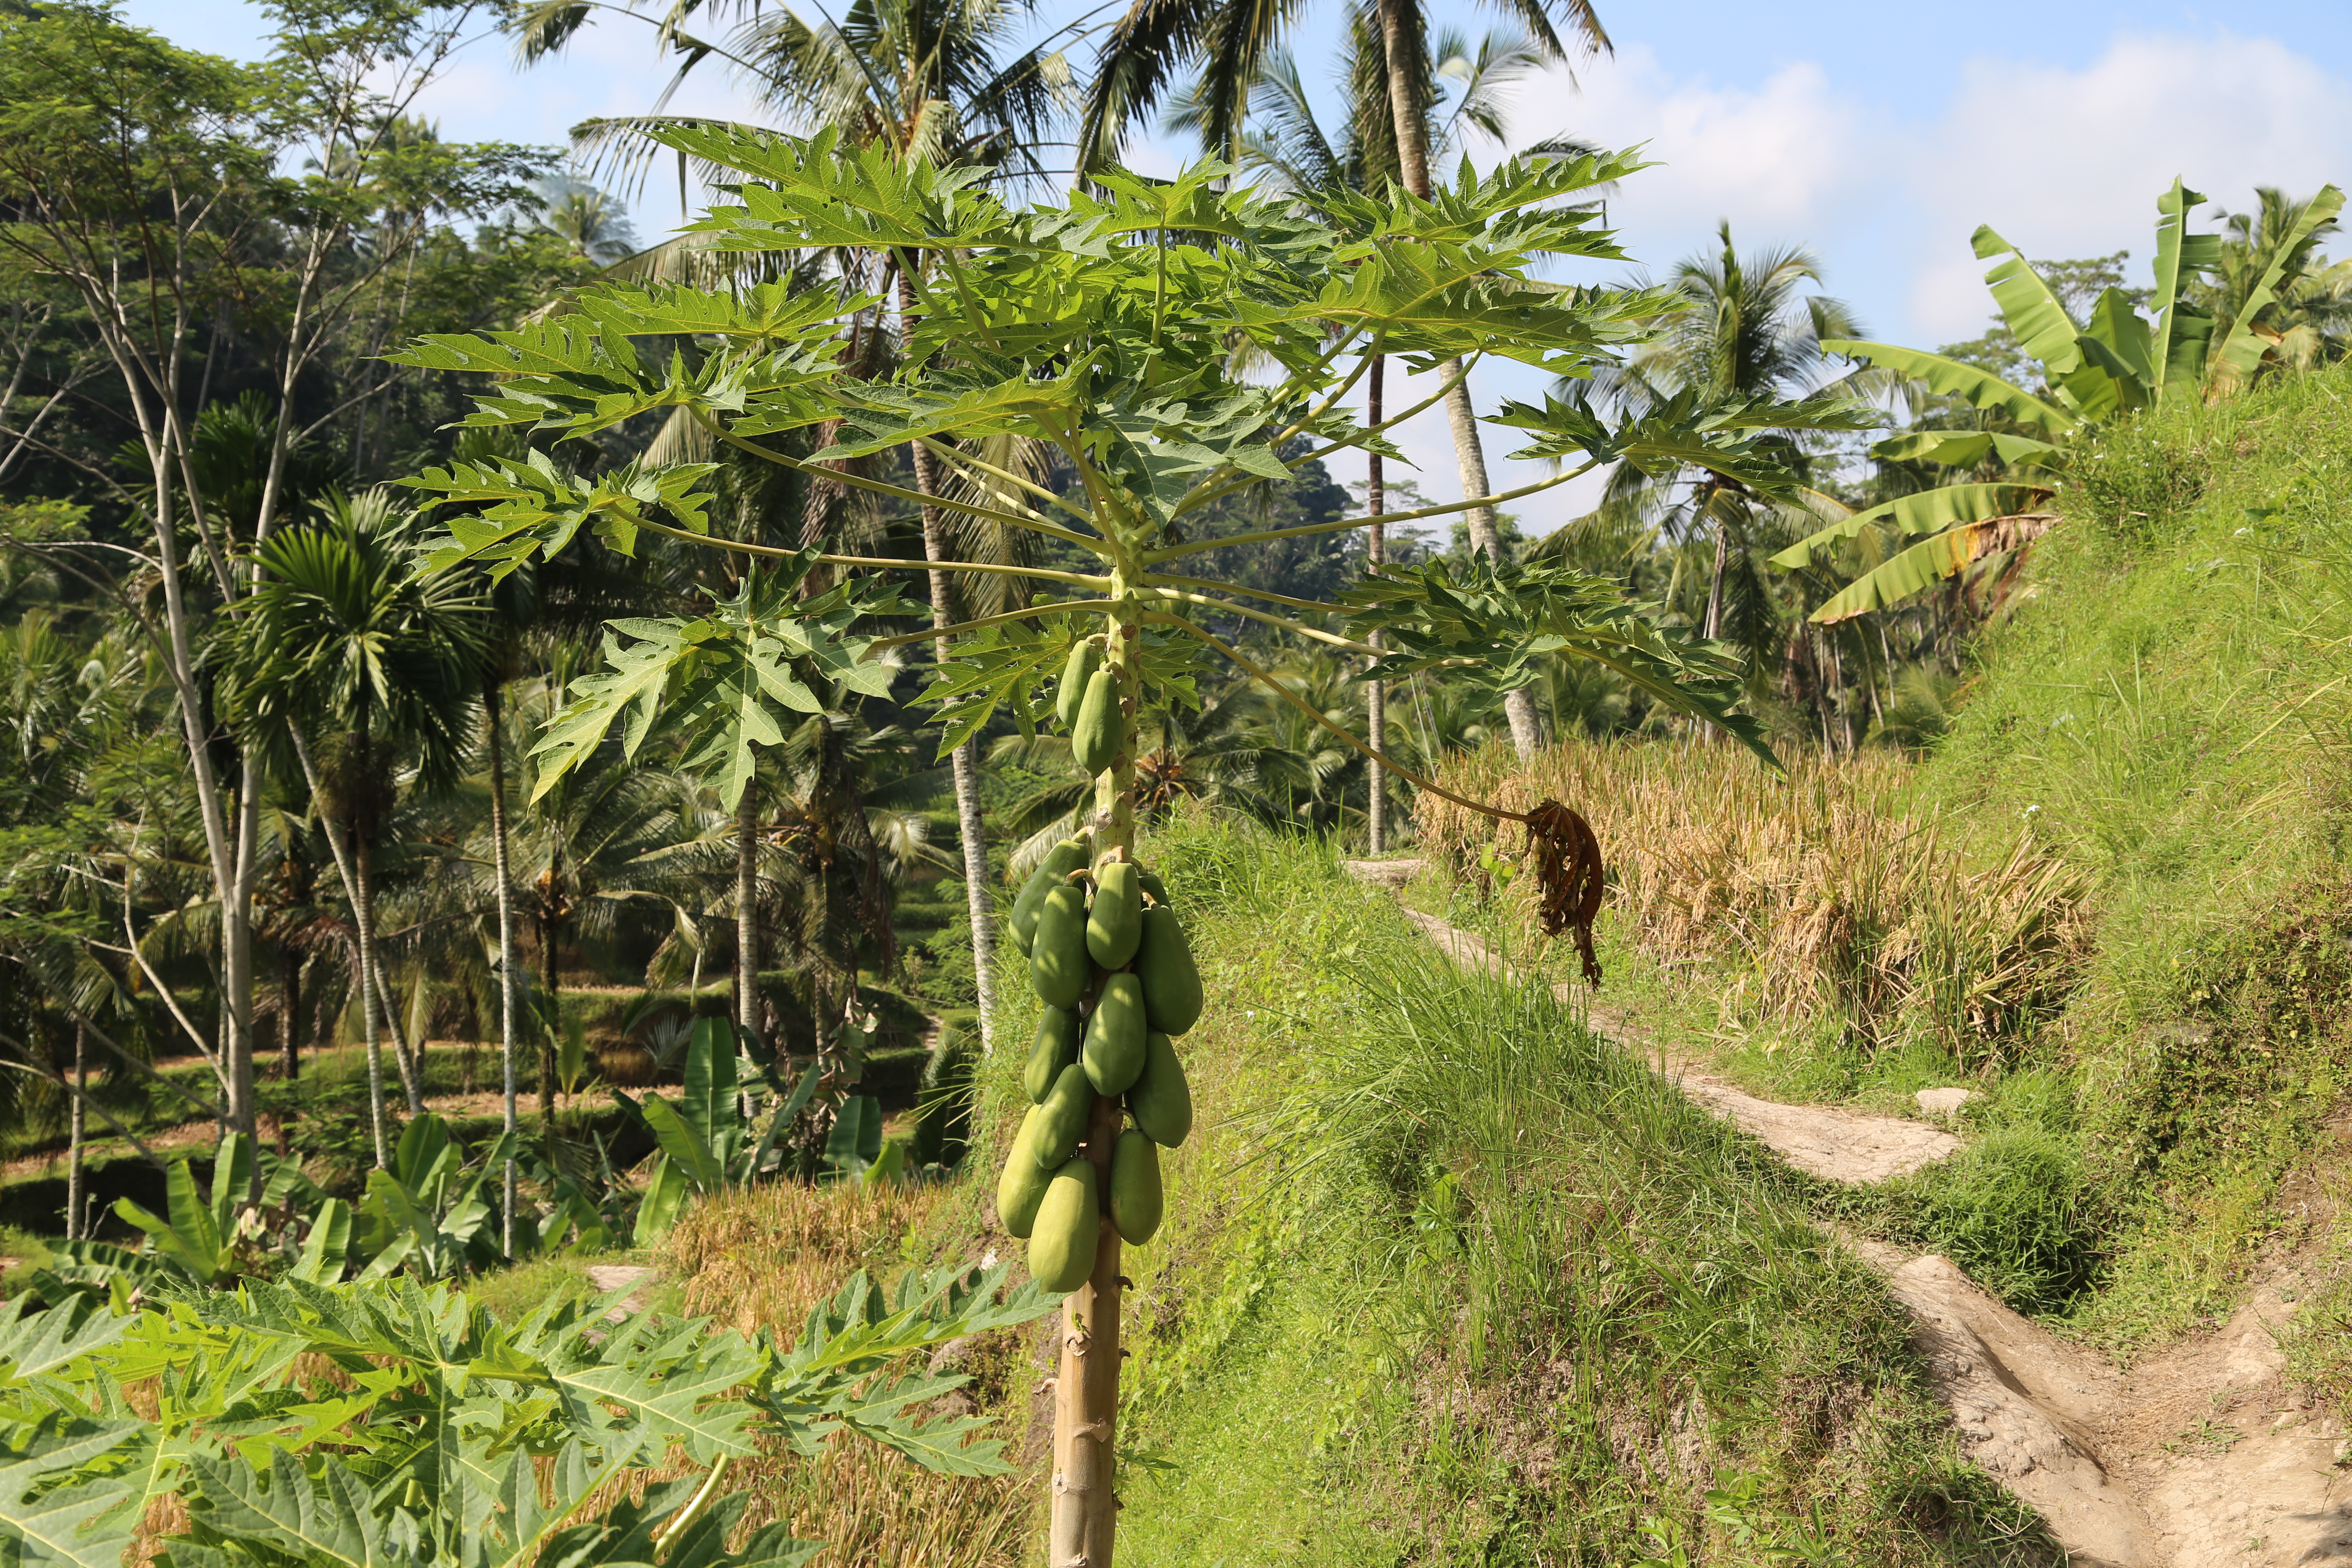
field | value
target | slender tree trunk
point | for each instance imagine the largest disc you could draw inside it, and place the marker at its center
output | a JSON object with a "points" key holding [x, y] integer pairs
{"points": [[363, 916], [1084, 1524], [493, 691], [1713, 625], [747, 907], [289, 1013], [551, 990], [236, 963], [979, 899], [408, 1057], [73, 1157], [1376, 554], [1397, 20]]}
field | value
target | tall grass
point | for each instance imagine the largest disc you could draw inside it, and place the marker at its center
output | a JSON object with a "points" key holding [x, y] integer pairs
{"points": [[1813, 893], [1449, 1279]]}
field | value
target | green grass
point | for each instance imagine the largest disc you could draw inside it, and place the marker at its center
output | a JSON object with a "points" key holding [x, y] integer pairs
{"points": [[1447, 1279]]}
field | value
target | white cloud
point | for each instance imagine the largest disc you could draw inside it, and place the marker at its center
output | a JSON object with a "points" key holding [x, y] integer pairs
{"points": [[1779, 160], [2069, 162]]}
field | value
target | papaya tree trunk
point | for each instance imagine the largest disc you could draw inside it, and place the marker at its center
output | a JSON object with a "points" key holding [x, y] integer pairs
{"points": [[363, 917], [1405, 105], [1084, 1525], [1376, 715], [73, 1157], [493, 691]]}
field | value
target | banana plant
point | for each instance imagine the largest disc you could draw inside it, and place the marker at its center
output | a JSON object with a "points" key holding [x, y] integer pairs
{"points": [[2115, 363], [705, 1142], [429, 1212], [213, 1239]]}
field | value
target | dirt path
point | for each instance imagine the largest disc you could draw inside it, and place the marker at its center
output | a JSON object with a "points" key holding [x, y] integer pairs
{"points": [[1822, 1140], [2200, 1456]]}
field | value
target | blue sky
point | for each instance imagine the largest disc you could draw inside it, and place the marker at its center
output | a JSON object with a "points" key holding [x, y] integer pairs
{"points": [[1879, 134]]}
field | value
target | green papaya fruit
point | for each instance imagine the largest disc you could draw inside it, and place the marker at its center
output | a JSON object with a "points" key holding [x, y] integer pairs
{"points": [[1095, 738], [1056, 1048], [1051, 871], [1058, 966], [1022, 1185], [1160, 1100], [1153, 886], [1069, 1223], [1114, 1051], [1135, 1196], [1084, 660], [1115, 920], [1062, 1119], [1163, 961]]}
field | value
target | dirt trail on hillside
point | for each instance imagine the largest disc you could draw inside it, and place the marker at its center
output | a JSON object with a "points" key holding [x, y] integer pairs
{"points": [[1822, 1140], [2200, 1456]]}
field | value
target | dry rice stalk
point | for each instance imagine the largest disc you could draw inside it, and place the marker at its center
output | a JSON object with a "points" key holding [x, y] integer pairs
{"points": [[1827, 896], [761, 1257]]}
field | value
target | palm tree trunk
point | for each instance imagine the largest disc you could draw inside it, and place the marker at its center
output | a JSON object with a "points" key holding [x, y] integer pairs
{"points": [[492, 694], [979, 903], [1469, 453], [747, 907], [1714, 623], [289, 1013], [550, 992], [408, 1060], [236, 961], [1376, 707], [73, 1157], [363, 917]]}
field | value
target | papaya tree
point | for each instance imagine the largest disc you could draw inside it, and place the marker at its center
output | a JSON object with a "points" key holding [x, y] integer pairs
{"points": [[2095, 371], [1172, 345]]}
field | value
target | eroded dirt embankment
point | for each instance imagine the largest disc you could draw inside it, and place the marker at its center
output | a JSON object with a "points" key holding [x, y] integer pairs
{"points": [[2199, 1456]]}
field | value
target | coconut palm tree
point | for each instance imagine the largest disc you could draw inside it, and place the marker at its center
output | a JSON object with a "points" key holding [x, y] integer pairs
{"points": [[1463, 88], [357, 675], [940, 80], [1750, 328], [2311, 310], [1230, 45]]}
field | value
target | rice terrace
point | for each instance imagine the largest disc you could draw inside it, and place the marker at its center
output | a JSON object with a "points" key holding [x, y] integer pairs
{"points": [[960, 785]]}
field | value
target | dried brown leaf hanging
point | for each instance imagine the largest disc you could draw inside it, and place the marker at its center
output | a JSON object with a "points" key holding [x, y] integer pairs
{"points": [[1567, 873]]}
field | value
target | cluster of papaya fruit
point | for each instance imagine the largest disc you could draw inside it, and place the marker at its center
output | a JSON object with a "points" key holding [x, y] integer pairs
{"points": [[1109, 958]]}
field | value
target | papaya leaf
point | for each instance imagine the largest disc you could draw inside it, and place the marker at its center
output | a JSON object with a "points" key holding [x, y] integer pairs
{"points": [[1737, 439], [530, 507], [1490, 625], [87, 1523], [39, 1344], [721, 680]]}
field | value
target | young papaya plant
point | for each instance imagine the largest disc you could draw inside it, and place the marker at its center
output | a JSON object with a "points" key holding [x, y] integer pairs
{"points": [[446, 1437], [1173, 344]]}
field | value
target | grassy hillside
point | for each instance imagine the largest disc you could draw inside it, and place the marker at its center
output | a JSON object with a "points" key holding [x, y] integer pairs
{"points": [[1449, 1280], [2113, 898]]}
